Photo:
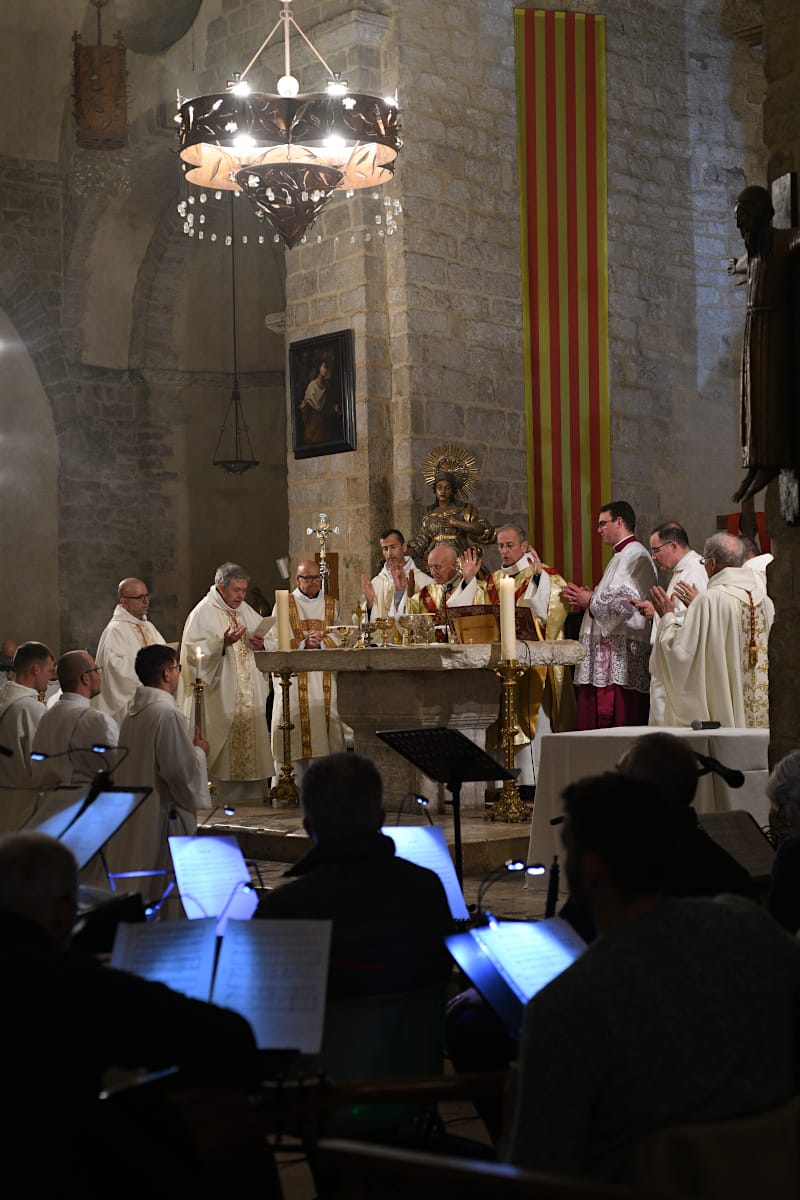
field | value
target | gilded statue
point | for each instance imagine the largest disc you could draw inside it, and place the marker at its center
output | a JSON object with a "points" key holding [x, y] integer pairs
{"points": [[452, 473]]}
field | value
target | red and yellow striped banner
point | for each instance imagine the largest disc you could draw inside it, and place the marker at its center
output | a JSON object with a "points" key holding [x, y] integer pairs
{"points": [[562, 171]]}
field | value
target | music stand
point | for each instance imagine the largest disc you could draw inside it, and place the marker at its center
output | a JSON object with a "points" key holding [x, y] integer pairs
{"points": [[448, 757]]}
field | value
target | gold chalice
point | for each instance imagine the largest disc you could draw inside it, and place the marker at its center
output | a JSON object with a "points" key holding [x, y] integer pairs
{"points": [[383, 625], [406, 623], [343, 632], [424, 630]]}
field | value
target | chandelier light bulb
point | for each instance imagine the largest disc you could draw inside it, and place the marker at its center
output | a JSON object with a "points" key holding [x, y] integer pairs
{"points": [[288, 86]]}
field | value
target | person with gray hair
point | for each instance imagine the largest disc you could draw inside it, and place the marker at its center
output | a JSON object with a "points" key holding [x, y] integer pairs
{"points": [[218, 644], [390, 917], [783, 793], [713, 666], [66, 1020], [21, 710]]}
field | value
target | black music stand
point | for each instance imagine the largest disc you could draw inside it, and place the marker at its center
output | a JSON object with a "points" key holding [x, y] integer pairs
{"points": [[448, 757]]}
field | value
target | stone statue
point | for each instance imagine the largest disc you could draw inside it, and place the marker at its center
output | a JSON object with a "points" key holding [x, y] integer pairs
{"points": [[450, 518], [769, 374]]}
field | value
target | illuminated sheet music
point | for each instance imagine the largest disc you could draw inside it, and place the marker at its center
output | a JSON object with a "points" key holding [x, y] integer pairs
{"points": [[213, 878], [177, 953], [426, 846], [530, 954], [275, 974]]}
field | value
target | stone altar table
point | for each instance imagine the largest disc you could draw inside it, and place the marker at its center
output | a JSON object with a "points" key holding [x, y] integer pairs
{"points": [[416, 686]]}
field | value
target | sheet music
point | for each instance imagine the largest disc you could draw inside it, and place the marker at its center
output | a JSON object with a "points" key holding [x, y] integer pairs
{"points": [[426, 846], [530, 954], [178, 953], [212, 876], [57, 812], [275, 974], [100, 821]]}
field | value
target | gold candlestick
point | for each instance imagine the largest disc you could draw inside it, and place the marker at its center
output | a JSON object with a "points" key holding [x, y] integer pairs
{"points": [[510, 807], [285, 793], [198, 687]]}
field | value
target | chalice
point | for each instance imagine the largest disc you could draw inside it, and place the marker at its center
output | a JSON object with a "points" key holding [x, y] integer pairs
{"points": [[383, 625], [406, 623], [424, 627], [343, 632]]}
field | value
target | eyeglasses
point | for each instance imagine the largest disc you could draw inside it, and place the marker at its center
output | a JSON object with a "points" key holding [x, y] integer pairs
{"points": [[176, 666], [654, 552], [309, 578], [97, 669], [610, 521], [143, 596]]}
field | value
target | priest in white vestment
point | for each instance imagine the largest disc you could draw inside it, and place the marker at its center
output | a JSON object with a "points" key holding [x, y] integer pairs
{"points": [[162, 755], [70, 727], [714, 666], [218, 644], [455, 583], [120, 642], [318, 729], [613, 682], [545, 699], [386, 594], [670, 551], [21, 710]]}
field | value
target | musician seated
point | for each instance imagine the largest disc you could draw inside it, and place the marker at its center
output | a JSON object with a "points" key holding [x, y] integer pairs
{"points": [[621, 1044], [66, 1019], [390, 917]]}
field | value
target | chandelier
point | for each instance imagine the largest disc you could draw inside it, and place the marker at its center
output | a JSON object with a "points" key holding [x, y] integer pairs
{"points": [[288, 152]]}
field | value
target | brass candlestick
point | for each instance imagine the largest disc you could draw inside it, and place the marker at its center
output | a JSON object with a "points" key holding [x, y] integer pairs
{"points": [[285, 793], [510, 807], [198, 687]]}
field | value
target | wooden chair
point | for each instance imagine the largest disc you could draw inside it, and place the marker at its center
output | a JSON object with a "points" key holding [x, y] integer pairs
{"points": [[363, 1171]]}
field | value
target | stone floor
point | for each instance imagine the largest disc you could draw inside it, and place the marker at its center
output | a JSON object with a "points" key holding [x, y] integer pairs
{"points": [[272, 839]]}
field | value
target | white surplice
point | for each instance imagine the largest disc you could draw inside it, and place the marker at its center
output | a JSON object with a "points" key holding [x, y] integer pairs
{"points": [[235, 692], [691, 571], [73, 725], [705, 664], [388, 602], [160, 756], [313, 711], [615, 635], [120, 642], [21, 710]]}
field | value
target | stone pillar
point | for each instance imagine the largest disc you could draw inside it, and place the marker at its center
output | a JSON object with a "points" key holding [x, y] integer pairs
{"points": [[782, 139]]}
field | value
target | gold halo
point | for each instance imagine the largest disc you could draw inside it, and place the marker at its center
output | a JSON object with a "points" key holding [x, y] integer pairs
{"points": [[450, 460]]}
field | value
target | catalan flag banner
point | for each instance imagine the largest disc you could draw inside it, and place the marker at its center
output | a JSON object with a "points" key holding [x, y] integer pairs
{"points": [[562, 169]]}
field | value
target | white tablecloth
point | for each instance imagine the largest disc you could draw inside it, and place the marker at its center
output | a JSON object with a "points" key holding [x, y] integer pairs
{"points": [[567, 757]]}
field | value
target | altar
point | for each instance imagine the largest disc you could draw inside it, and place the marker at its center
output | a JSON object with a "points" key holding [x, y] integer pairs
{"points": [[414, 687]]}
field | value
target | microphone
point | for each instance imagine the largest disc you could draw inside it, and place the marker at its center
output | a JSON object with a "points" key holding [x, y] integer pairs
{"points": [[708, 765], [551, 904], [705, 725]]}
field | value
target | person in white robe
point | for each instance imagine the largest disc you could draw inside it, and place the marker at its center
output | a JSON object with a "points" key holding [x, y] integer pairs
{"points": [[455, 584], [71, 727], [120, 642], [612, 684], [386, 594], [318, 729], [162, 755], [714, 666], [545, 696], [670, 551], [21, 710], [218, 644]]}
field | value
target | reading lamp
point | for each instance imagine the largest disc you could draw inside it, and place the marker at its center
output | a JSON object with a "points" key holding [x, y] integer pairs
{"points": [[510, 865]]}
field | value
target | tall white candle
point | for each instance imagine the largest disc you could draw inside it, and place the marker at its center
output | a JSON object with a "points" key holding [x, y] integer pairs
{"points": [[508, 628], [198, 654], [284, 628]]}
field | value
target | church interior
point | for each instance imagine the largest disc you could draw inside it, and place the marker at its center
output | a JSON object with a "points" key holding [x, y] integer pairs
{"points": [[149, 332]]}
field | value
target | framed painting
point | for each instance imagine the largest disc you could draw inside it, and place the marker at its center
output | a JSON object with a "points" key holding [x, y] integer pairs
{"points": [[323, 386]]}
